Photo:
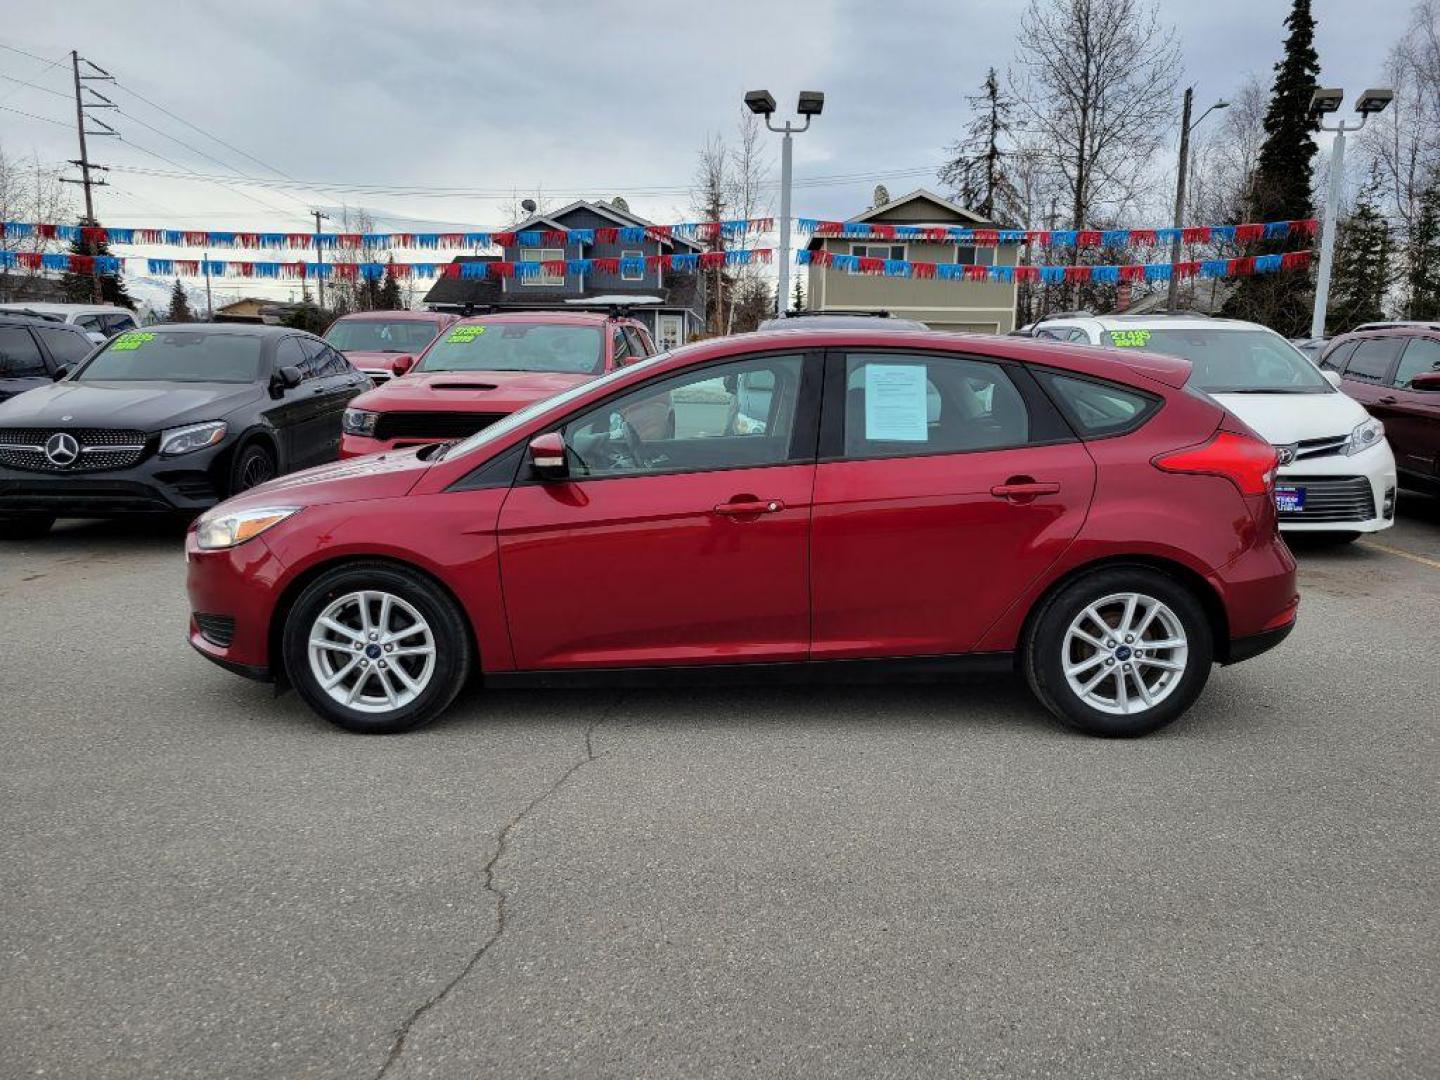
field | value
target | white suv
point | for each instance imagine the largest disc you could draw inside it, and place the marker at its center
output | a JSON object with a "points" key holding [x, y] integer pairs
{"points": [[100, 321], [1337, 474]]}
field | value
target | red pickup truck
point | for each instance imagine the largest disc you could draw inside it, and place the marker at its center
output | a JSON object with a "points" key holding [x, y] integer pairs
{"points": [[374, 340], [484, 368]]}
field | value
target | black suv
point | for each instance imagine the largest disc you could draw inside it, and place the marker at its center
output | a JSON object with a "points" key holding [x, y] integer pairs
{"points": [[171, 418], [35, 351]]}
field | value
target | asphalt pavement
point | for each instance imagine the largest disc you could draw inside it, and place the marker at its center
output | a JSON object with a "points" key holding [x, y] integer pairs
{"points": [[198, 879]]}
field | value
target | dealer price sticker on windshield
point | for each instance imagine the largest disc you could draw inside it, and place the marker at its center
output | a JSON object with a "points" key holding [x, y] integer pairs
{"points": [[131, 340], [1129, 339], [463, 334]]}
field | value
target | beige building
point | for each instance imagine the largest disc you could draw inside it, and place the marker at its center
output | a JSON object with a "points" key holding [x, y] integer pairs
{"points": [[974, 306]]}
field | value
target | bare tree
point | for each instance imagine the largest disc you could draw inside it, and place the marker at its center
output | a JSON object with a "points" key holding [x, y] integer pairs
{"points": [[29, 191], [711, 193], [979, 165], [1095, 83], [750, 170]]}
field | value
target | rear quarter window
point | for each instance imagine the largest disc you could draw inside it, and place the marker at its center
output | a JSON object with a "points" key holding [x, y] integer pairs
{"points": [[1096, 408]]}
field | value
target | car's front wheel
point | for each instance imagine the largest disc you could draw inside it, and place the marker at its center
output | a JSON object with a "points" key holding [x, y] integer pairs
{"points": [[1120, 652], [376, 648]]}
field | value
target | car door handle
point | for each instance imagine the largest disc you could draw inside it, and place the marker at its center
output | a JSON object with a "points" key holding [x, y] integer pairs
{"points": [[747, 506], [1023, 489], [1388, 399]]}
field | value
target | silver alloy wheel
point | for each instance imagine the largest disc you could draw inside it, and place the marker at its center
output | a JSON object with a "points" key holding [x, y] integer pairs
{"points": [[1125, 653], [372, 651]]}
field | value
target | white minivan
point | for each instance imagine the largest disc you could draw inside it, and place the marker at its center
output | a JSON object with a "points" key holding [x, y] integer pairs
{"points": [[100, 321], [1337, 474]]}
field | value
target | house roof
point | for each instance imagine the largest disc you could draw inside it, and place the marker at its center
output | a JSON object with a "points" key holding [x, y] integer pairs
{"points": [[921, 193], [622, 218]]}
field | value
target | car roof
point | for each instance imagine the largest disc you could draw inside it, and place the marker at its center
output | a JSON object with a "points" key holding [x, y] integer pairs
{"points": [[394, 316], [857, 320], [558, 318], [12, 317], [241, 329], [69, 309], [1177, 321]]}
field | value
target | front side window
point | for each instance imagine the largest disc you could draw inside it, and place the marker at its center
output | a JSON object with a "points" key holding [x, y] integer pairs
{"points": [[723, 416], [1372, 359], [1421, 357], [176, 356], [517, 346], [382, 335], [542, 255], [89, 322], [1229, 361], [116, 324], [66, 346], [1336, 358], [620, 345], [898, 405], [19, 355]]}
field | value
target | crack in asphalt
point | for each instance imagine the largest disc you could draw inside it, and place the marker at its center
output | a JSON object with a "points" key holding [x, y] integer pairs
{"points": [[397, 1047]]}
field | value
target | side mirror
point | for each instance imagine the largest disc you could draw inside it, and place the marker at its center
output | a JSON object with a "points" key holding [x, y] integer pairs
{"points": [[62, 371], [401, 364], [1332, 377], [547, 456], [290, 377], [1426, 381]]}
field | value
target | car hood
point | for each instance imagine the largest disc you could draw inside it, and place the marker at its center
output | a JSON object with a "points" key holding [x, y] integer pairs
{"points": [[488, 391], [377, 476], [367, 360], [143, 406], [1288, 418]]}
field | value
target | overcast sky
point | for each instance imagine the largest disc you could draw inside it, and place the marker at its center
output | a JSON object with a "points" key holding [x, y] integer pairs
{"points": [[565, 96]]}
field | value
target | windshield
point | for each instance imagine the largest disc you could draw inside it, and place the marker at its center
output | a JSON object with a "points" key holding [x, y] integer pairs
{"points": [[497, 431], [176, 356], [1231, 361], [517, 346], [382, 335]]}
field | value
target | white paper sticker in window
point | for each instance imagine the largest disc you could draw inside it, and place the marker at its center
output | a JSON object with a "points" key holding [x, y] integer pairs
{"points": [[895, 405]]}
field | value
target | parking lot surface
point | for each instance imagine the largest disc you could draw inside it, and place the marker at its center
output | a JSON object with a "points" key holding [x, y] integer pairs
{"points": [[199, 879]]}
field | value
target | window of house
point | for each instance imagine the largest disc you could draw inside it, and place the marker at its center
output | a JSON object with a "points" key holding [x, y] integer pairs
{"points": [[878, 251], [970, 255], [898, 406], [543, 255], [631, 273]]}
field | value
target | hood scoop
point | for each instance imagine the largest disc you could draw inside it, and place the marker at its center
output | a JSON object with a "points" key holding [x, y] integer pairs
{"points": [[462, 386]]}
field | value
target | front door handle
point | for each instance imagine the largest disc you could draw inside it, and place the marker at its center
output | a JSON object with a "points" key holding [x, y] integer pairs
{"points": [[744, 507], [1023, 489], [1388, 399]]}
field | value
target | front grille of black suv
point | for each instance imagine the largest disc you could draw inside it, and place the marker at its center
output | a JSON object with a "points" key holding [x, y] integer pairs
{"points": [[100, 449], [433, 425]]}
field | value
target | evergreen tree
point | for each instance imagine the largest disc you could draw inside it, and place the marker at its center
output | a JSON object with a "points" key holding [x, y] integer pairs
{"points": [[1280, 189], [1423, 258], [80, 288], [977, 166], [179, 305], [389, 299], [1361, 274], [797, 298]]}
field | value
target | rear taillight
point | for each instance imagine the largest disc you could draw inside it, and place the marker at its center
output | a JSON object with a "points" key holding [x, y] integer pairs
{"points": [[1247, 463]]}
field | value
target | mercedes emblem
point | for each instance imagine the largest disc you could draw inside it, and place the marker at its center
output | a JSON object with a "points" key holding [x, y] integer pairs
{"points": [[62, 449]]}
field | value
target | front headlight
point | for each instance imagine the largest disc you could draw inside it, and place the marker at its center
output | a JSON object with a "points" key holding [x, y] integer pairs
{"points": [[185, 440], [215, 532], [1365, 436], [359, 422]]}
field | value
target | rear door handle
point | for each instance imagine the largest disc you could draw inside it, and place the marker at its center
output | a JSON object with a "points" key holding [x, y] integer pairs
{"points": [[742, 508], [1023, 489]]}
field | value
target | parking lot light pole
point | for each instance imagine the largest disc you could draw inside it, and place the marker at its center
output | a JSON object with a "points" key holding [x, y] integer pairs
{"points": [[1324, 101], [1185, 128], [762, 103]]}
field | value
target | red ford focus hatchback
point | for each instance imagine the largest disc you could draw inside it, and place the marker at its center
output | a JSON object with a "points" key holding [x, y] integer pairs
{"points": [[826, 504]]}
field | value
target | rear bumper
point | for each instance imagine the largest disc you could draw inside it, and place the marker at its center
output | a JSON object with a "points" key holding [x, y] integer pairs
{"points": [[1247, 647]]}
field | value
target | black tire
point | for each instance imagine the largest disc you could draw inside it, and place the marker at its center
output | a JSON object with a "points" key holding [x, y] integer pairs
{"points": [[441, 613], [25, 526], [1043, 651], [253, 465]]}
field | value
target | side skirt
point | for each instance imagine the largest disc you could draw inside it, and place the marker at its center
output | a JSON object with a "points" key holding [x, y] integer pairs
{"points": [[856, 672]]}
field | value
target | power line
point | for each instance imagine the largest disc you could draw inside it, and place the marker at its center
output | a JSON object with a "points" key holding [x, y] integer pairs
{"points": [[32, 116]]}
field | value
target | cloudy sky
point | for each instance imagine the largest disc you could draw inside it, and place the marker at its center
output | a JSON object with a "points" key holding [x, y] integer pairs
{"points": [[567, 97]]}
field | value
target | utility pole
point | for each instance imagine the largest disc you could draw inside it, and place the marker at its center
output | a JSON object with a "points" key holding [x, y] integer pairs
{"points": [[1185, 128], [209, 301], [84, 162], [320, 256]]}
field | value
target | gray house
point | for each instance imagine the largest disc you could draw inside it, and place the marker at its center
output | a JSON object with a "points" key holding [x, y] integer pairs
{"points": [[670, 303], [975, 306]]}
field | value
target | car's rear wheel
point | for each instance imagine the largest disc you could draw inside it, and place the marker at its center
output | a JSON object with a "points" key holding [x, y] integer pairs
{"points": [[1120, 652], [253, 466], [25, 526], [376, 648]]}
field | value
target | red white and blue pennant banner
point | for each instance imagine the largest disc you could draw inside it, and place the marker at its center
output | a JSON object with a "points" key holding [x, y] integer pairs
{"points": [[374, 271], [387, 241], [1082, 238], [1056, 275]]}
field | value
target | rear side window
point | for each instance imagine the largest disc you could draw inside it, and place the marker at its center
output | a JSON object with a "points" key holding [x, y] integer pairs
{"points": [[1096, 408], [900, 405], [1335, 359], [1372, 359], [66, 346], [19, 355]]}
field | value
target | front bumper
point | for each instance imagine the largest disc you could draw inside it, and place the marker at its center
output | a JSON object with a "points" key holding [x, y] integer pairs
{"points": [[1343, 494], [238, 585], [188, 483]]}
